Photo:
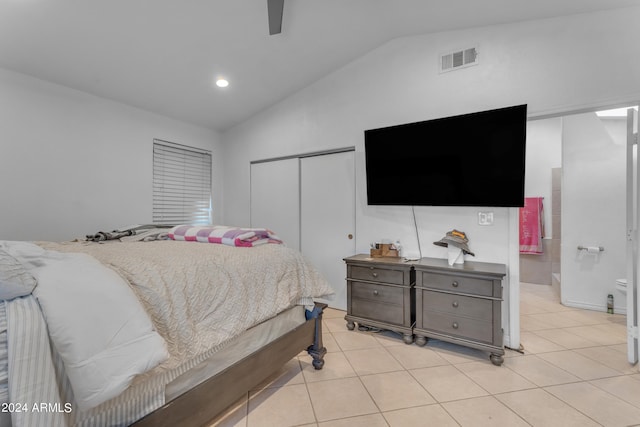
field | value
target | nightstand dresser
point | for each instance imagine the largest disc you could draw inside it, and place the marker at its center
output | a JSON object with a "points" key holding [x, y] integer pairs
{"points": [[381, 294], [460, 304]]}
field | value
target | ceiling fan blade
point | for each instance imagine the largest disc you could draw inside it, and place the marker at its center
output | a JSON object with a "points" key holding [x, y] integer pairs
{"points": [[274, 9]]}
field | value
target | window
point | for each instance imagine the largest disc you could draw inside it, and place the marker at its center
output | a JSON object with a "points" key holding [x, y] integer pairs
{"points": [[181, 184]]}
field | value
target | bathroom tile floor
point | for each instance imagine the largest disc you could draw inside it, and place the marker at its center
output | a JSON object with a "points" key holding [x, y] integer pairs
{"points": [[572, 371]]}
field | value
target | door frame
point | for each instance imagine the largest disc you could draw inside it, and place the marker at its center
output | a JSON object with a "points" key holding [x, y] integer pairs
{"points": [[633, 210], [514, 270]]}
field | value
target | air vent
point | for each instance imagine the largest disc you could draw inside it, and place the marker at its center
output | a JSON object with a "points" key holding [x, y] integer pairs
{"points": [[458, 59]]}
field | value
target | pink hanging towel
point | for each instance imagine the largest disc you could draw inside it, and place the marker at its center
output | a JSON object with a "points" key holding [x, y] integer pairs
{"points": [[531, 226]]}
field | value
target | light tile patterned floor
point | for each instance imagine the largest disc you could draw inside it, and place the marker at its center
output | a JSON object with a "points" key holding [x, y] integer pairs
{"points": [[572, 372]]}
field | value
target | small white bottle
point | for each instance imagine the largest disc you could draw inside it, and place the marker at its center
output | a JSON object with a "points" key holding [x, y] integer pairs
{"points": [[398, 247]]}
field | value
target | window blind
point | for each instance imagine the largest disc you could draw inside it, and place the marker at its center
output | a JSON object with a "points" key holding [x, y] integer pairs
{"points": [[181, 184]]}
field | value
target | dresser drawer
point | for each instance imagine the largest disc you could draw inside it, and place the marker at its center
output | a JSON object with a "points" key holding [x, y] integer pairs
{"points": [[377, 274], [379, 311], [464, 327], [378, 293], [460, 305], [458, 284]]}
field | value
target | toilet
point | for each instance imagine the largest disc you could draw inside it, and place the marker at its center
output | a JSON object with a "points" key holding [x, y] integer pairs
{"points": [[621, 286]]}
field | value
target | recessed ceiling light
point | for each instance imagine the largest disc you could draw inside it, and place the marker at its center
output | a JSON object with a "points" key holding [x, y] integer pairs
{"points": [[222, 83]]}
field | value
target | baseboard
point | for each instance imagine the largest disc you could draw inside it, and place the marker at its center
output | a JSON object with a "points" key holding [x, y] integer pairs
{"points": [[594, 307]]}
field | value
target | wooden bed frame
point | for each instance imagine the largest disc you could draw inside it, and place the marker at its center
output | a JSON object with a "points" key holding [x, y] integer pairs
{"points": [[203, 403]]}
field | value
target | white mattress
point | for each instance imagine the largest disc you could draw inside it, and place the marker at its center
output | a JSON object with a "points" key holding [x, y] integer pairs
{"points": [[30, 367], [5, 416]]}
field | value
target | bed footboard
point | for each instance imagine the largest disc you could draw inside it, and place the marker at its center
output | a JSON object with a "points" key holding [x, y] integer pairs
{"points": [[204, 402]]}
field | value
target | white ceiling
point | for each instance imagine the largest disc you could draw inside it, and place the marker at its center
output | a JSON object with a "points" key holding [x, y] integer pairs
{"points": [[163, 55]]}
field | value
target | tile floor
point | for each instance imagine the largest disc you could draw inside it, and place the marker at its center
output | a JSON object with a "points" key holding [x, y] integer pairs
{"points": [[572, 372]]}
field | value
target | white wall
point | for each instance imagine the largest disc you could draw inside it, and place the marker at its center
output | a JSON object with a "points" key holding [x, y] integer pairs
{"points": [[73, 164], [544, 152], [552, 65]]}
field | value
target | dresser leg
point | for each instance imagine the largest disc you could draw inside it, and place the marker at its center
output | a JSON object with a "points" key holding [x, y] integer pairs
{"points": [[420, 340], [407, 338], [351, 325], [496, 359]]}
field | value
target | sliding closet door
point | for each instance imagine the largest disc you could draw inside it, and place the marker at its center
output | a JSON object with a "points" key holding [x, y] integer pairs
{"points": [[275, 199], [327, 209]]}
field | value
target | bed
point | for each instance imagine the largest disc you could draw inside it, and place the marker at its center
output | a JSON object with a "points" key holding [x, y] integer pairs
{"points": [[172, 331]]}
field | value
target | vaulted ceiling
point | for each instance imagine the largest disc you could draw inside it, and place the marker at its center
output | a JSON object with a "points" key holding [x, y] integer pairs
{"points": [[165, 55]]}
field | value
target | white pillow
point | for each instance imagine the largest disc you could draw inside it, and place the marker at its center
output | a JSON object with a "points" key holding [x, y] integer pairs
{"points": [[15, 280]]}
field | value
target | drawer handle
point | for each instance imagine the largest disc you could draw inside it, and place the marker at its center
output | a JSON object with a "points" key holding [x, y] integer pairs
{"points": [[454, 284], [375, 293], [375, 274], [455, 325], [455, 304]]}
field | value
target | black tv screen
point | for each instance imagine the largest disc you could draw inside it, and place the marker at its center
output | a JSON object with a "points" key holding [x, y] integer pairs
{"points": [[475, 159]]}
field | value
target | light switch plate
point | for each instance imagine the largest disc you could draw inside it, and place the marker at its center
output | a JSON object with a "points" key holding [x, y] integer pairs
{"points": [[485, 218]]}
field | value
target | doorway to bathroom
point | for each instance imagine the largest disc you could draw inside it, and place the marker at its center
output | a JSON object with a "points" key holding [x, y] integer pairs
{"points": [[578, 164]]}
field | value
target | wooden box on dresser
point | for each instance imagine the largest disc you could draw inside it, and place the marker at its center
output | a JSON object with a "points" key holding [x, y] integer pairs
{"points": [[380, 294], [460, 304]]}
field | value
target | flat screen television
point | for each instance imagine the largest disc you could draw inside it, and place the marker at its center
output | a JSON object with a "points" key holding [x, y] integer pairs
{"points": [[475, 159]]}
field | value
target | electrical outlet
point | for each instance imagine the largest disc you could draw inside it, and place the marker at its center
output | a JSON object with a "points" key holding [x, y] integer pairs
{"points": [[485, 218]]}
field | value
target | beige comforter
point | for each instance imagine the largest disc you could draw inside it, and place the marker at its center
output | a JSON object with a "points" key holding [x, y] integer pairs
{"points": [[199, 295]]}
